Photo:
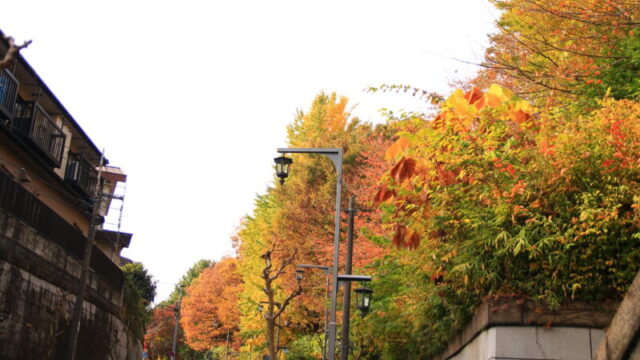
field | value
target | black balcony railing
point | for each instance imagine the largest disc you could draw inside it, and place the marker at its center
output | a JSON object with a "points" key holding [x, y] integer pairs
{"points": [[27, 208], [81, 174], [35, 125], [8, 95]]}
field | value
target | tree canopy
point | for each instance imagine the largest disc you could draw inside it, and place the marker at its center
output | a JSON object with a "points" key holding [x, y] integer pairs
{"points": [[522, 186]]}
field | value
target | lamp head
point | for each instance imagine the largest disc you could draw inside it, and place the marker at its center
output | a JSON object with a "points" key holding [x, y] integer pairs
{"points": [[363, 300], [282, 167]]}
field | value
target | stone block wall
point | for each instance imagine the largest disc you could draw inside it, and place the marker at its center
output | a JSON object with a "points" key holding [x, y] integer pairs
{"points": [[38, 280]]}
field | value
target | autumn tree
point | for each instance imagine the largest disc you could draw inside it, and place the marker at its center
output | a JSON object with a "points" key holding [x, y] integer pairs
{"points": [[186, 279], [500, 199], [210, 311], [159, 333], [574, 49], [301, 214], [158, 338], [270, 273]]}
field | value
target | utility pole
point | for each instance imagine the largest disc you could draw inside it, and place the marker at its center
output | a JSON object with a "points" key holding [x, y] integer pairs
{"points": [[344, 342], [76, 318], [226, 354], [174, 346]]}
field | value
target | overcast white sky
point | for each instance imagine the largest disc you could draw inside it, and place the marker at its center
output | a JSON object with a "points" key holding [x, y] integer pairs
{"points": [[191, 98]]}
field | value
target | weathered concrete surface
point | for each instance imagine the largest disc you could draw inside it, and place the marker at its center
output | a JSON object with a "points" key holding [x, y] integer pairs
{"points": [[622, 337], [38, 280], [531, 342], [514, 329]]}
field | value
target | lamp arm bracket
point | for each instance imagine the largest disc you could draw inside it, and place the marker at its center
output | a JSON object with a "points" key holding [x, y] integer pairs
{"points": [[335, 154]]}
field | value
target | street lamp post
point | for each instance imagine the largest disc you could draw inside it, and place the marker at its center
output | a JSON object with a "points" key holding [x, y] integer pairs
{"points": [[177, 309], [363, 300], [327, 271], [346, 304], [335, 154]]}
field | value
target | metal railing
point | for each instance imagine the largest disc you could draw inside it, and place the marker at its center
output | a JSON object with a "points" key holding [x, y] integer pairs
{"points": [[34, 124], [27, 208], [81, 174], [8, 96]]}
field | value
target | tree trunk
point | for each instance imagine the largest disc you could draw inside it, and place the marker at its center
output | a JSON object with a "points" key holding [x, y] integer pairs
{"points": [[271, 339]]}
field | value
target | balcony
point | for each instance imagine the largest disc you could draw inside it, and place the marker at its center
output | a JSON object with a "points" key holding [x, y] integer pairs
{"points": [[8, 94], [28, 209], [34, 125], [81, 174]]}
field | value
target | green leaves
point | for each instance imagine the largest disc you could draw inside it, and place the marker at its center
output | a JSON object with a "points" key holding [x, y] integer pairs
{"points": [[509, 201]]}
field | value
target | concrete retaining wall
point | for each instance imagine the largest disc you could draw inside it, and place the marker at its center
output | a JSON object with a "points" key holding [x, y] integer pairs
{"points": [[514, 329], [38, 280]]}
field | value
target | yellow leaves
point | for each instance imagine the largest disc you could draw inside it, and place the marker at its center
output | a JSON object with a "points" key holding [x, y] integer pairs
{"points": [[448, 256], [398, 148], [336, 115], [460, 106], [574, 288], [462, 111], [496, 95]]}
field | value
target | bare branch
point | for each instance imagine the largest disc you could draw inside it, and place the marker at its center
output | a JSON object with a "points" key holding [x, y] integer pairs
{"points": [[286, 301], [284, 264], [13, 51]]}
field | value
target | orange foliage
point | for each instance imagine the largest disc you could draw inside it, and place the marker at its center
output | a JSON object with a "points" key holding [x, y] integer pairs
{"points": [[159, 336], [210, 307], [433, 158], [363, 182], [558, 48]]}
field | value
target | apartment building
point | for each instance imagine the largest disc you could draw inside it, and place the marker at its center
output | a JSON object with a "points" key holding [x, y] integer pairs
{"points": [[50, 175]]}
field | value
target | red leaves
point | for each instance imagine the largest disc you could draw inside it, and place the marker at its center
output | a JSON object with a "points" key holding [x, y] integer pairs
{"points": [[446, 177], [383, 195], [405, 237], [437, 277], [475, 97], [520, 116], [404, 169]]}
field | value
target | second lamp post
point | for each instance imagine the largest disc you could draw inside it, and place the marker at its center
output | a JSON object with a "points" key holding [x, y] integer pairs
{"points": [[282, 168]]}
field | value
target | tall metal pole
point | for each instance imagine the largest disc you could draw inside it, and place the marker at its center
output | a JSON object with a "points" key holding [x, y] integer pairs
{"points": [[327, 271], [336, 257], [76, 318], [346, 306], [174, 346], [326, 317], [226, 355], [335, 154]]}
